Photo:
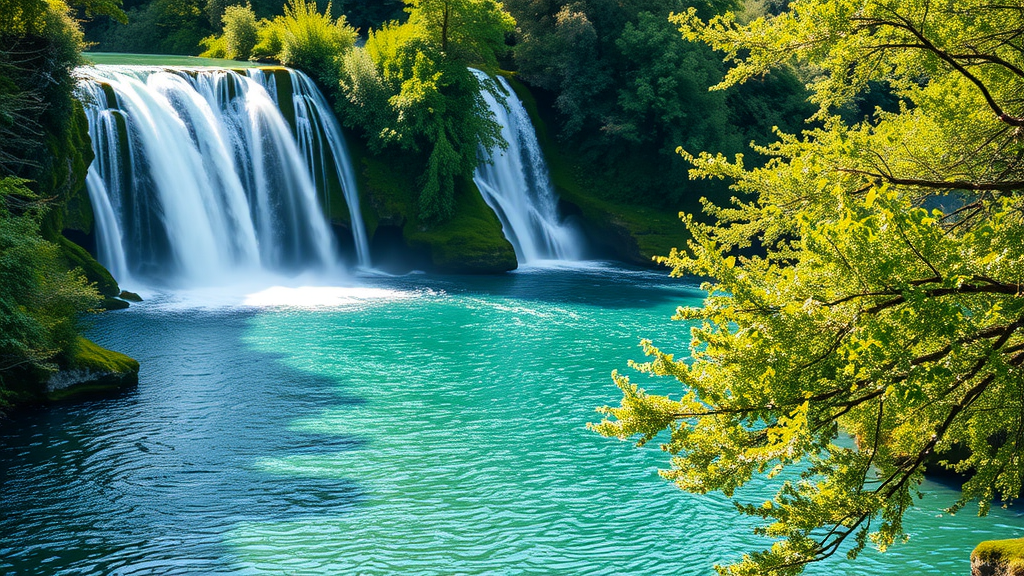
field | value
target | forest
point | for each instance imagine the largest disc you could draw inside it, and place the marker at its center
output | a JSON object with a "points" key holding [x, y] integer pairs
{"points": [[841, 180]]}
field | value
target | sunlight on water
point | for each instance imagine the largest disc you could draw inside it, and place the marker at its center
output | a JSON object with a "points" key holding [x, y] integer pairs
{"points": [[321, 296], [411, 425]]}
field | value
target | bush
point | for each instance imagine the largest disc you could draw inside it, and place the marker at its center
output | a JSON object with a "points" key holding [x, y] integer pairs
{"points": [[39, 299], [214, 47], [411, 87], [241, 32], [308, 40]]}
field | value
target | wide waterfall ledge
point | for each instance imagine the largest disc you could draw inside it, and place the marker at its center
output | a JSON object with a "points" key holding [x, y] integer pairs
{"points": [[205, 174]]}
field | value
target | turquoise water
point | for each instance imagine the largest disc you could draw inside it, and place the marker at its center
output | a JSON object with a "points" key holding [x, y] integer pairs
{"points": [[429, 425]]}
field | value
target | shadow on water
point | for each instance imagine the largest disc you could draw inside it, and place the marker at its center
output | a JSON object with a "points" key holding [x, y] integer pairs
{"points": [[135, 483], [594, 284]]}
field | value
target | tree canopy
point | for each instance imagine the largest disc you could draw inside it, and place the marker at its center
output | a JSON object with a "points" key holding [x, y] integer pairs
{"points": [[866, 281], [411, 87]]}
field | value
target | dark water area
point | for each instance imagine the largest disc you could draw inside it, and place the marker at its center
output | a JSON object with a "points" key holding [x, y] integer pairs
{"points": [[419, 424]]}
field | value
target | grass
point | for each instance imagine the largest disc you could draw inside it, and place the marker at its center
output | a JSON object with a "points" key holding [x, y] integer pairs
{"points": [[120, 59]]}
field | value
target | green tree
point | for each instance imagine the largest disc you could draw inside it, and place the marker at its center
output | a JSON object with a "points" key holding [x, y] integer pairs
{"points": [[410, 87], [865, 281], [470, 31], [39, 298], [241, 32]]}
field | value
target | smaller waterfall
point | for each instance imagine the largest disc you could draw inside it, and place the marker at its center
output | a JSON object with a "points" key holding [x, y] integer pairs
{"points": [[198, 174], [323, 145], [515, 184]]}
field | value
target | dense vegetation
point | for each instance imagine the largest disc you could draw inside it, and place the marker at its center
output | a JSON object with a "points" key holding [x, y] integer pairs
{"points": [[619, 85], [886, 300], [41, 164]]}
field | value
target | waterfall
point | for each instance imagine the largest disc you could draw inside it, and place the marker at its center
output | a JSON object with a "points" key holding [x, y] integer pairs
{"points": [[199, 177], [515, 184]]}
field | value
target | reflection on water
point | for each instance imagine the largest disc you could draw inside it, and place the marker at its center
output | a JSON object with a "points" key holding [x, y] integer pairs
{"points": [[417, 424]]}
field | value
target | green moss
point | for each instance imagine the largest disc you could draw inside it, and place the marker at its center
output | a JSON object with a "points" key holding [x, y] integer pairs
{"points": [[1005, 556], [88, 354], [470, 242], [115, 371], [634, 233], [63, 174], [76, 257]]}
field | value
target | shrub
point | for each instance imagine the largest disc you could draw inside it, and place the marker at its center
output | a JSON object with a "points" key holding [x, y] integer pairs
{"points": [[310, 41], [241, 32]]}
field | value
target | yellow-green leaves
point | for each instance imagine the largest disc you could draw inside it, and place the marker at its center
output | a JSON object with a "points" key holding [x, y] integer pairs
{"points": [[867, 279]]}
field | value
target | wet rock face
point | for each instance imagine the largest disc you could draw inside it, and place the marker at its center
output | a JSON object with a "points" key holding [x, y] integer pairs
{"points": [[74, 382], [998, 558]]}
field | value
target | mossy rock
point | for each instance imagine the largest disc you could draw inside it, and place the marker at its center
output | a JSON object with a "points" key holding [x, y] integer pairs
{"points": [[634, 234], [89, 370], [471, 242], [129, 296], [114, 304], [998, 558], [77, 257], [86, 370]]}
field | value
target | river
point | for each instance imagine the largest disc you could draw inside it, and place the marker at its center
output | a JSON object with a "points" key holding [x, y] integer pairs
{"points": [[419, 424]]}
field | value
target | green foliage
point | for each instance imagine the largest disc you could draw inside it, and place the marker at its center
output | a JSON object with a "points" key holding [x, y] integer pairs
{"points": [[39, 298], [308, 40], [38, 53], [410, 88], [471, 242], [629, 89], [471, 31], [880, 293], [240, 31], [369, 15], [159, 26]]}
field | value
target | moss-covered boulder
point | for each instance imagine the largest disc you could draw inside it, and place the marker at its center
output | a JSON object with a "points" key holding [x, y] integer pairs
{"points": [[65, 181], [91, 369], [998, 558], [77, 257], [129, 296], [471, 242]]}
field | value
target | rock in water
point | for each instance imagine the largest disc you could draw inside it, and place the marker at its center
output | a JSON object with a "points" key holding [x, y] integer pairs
{"points": [[998, 558], [92, 370]]}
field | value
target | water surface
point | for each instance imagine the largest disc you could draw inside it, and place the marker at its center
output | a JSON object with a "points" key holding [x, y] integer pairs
{"points": [[428, 425]]}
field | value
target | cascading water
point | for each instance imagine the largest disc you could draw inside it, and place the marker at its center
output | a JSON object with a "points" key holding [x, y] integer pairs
{"points": [[199, 176], [515, 184], [323, 145]]}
